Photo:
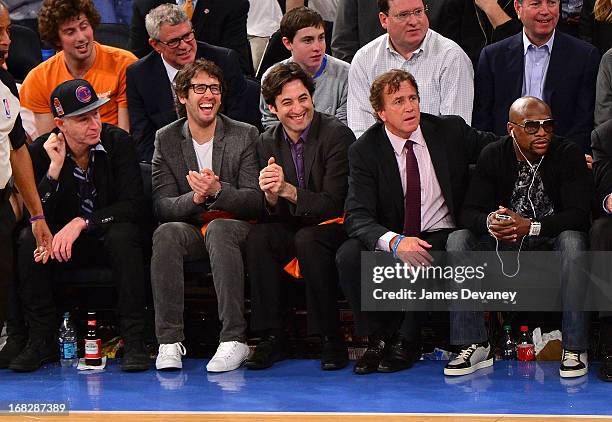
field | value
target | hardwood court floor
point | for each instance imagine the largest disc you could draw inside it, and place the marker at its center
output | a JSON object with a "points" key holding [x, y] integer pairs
{"points": [[297, 390]]}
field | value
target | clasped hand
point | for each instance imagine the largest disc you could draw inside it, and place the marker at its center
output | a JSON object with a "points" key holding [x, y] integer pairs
{"points": [[204, 184], [510, 230], [272, 181]]}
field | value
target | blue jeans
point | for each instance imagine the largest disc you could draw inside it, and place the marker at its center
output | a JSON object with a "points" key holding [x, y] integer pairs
{"points": [[468, 327]]}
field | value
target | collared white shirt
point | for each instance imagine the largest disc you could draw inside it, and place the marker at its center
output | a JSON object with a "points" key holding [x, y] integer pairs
{"points": [[170, 71], [9, 109], [435, 214], [443, 72], [537, 60], [264, 18]]}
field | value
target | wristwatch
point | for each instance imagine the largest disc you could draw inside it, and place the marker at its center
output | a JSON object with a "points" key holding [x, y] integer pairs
{"points": [[534, 228]]}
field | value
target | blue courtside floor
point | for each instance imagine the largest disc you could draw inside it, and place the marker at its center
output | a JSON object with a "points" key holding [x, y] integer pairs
{"points": [[300, 386]]}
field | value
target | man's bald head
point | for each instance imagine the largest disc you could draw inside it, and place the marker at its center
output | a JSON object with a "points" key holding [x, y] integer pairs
{"points": [[526, 106], [531, 126]]}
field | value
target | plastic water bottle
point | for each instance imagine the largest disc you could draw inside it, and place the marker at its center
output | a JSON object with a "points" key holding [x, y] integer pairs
{"points": [[525, 348], [68, 342], [509, 346]]}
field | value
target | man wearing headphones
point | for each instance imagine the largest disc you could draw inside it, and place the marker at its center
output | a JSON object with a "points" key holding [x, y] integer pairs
{"points": [[531, 191]]}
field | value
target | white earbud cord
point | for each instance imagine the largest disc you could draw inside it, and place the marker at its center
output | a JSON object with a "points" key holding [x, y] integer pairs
{"points": [[518, 255]]}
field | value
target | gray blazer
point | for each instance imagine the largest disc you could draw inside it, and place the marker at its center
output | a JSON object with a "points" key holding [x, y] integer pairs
{"points": [[234, 161]]}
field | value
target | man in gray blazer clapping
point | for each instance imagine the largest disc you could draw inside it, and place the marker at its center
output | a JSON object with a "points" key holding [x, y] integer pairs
{"points": [[205, 185]]}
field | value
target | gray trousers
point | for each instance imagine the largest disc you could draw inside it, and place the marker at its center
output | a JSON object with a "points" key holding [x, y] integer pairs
{"points": [[469, 327], [176, 242]]}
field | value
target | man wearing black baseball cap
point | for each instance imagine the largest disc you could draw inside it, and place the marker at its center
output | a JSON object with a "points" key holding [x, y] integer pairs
{"points": [[91, 190]]}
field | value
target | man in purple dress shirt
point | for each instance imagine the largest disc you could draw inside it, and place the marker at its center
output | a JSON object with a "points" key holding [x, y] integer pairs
{"points": [[304, 180]]}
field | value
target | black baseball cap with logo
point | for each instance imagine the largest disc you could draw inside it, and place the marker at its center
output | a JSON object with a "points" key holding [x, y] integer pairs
{"points": [[74, 97]]}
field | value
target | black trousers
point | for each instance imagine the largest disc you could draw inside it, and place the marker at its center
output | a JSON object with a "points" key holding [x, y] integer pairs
{"points": [[120, 247], [348, 261], [7, 222], [271, 246]]}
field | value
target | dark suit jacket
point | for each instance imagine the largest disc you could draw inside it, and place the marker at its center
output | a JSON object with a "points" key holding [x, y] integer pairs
{"points": [[325, 170], [116, 177], [356, 25], [565, 176], [601, 142], [233, 159], [466, 24], [150, 102], [569, 88], [375, 200], [217, 22]]}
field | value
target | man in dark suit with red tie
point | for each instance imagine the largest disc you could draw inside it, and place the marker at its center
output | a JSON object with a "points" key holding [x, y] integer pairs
{"points": [[408, 177]]}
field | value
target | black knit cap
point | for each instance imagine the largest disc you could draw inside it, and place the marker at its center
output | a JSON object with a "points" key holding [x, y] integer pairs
{"points": [[74, 97]]}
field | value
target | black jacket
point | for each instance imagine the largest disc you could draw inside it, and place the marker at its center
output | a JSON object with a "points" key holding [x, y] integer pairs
{"points": [[467, 25], [375, 200], [569, 88], [325, 170], [567, 182], [116, 177]]}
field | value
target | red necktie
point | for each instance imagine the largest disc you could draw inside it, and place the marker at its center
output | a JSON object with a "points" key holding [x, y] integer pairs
{"points": [[412, 199]]}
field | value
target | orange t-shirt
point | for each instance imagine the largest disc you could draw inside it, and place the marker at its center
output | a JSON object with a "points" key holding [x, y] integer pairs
{"points": [[107, 76]]}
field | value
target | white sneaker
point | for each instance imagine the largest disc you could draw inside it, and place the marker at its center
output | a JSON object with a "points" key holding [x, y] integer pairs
{"points": [[574, 363], [169, 356], [470, 359], [229, 356]]}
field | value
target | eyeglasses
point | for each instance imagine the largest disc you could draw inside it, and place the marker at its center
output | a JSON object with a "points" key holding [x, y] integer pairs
{"points": [[215, 89], [532, 127], [403, 16], [175, 42]]}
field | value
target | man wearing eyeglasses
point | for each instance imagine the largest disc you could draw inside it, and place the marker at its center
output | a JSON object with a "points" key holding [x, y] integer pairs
{"points": [[204, 189], [540, 62], [149, 81], [443, 71], [217, 22], [531, 191]]}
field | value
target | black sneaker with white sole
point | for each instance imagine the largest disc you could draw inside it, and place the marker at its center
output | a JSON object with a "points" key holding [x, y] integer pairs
{"points": [[574, 363], [471, 358]]}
